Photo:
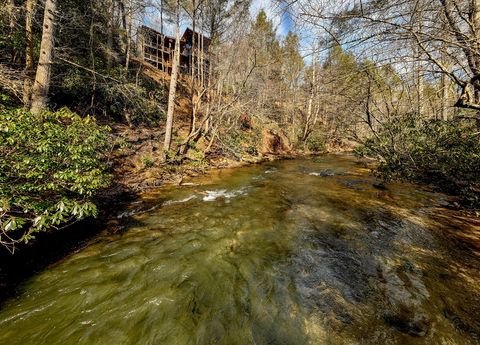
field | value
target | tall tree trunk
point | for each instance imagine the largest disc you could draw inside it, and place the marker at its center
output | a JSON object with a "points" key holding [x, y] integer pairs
{"points": [[306, 129], [111, 8], [313, 92], [11, 14], [10, 7], [418, 84], [209, 95], [202, 58], [446, 98], [44, 68], [27, 84], [420, 89], [129, 18], [162, 39], [475, 15], [92, 57], [123, 15], [418, 66], [173, 87], [192, 70]]}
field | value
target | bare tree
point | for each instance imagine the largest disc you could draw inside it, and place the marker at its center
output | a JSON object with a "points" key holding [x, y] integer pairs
{"points": [[129, 24], [173, 85], [385, 29]]}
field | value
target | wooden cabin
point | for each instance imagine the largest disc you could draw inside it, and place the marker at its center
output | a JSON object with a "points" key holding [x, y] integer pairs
{"points": [[158, 49]]}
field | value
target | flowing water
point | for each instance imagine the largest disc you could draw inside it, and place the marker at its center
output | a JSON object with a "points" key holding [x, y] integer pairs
{"points": [[291, 252]]}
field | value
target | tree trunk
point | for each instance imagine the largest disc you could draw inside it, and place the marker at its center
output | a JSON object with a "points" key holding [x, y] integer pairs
{"points": [[92, 58], [111, 7], [200, 58], [192, 67], [418, 67], [162, 39], [123, 15], [306, 130], [27, 84], [446, 99], [129, 16], [11, 14], [209, 99], [475, 15], [173, 88], [44, 68], [418, 85], [10, 7], [420, 89]]}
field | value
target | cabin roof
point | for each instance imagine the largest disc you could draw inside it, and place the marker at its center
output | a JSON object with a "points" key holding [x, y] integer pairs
{"points": [[155, 32], [187, 35]]}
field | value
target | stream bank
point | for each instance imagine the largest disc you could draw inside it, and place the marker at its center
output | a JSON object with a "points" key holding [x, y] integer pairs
{"points": [[137, 165]]}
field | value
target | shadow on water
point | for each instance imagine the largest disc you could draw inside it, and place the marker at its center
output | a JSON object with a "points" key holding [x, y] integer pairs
{"points": [[50, 249], [53, 247], [295, 252]]}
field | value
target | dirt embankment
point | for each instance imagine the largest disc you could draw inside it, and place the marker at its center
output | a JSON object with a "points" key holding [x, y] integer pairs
{"points": [[137, 163]]}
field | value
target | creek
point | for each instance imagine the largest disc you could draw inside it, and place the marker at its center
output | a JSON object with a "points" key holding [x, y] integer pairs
{"points": [[305, 251]]}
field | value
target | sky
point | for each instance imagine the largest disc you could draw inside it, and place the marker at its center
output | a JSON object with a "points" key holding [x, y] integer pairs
{"points": [[273, 8]]}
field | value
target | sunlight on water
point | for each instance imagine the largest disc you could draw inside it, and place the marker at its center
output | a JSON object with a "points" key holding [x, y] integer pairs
{"points": [[291, 252]]}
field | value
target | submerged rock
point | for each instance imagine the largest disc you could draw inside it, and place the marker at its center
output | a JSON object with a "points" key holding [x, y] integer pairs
{"points": [[325, 173], [459, 324], [415, 328], [357, 185], [345, 318], [380, 186]]}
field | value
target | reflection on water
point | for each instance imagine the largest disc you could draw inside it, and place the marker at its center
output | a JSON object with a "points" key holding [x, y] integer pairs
{"points": [[293, 252]]}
